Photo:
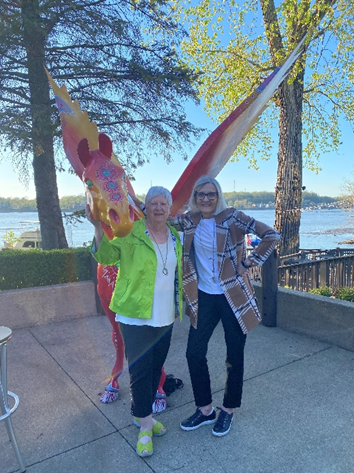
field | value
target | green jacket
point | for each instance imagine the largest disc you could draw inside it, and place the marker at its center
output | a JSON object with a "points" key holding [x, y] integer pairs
{"points": [[134, 290]]}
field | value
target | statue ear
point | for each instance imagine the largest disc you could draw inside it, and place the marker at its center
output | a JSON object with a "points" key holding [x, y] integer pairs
{"points": [[83, 152], [105, 145]]}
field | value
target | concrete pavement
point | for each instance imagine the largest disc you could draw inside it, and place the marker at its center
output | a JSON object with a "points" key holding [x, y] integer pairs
{"points": [[297, 414]]}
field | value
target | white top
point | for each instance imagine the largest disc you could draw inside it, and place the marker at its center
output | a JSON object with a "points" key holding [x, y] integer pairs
{"points": [[206, 256], [163, 306]]}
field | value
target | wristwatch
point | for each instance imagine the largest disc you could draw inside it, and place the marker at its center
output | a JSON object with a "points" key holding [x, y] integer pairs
{"points": [[246, 266]]}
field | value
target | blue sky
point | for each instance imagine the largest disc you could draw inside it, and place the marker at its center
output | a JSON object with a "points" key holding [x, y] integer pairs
{"points": [[235, 176]]}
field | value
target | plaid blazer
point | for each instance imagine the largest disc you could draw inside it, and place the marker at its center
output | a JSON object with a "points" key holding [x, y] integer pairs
{"points": [[231, 228]]}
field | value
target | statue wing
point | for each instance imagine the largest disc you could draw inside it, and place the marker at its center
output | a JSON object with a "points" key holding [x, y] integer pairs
{"points": [[223, 141]]}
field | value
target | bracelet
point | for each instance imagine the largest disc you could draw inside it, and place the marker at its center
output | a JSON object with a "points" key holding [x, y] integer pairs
{"points": [[246, 266]]}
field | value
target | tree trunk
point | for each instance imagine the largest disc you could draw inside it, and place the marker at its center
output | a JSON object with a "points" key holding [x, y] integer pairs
{"points": [[288, 191], [51, 223]]}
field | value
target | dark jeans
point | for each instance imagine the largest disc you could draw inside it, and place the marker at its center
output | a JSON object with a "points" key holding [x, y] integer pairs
{"points": [[146, 350], [211, 309]]}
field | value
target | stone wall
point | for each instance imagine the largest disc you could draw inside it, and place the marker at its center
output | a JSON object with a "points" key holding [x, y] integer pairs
{"points": [[40, 305], [323, 318]]}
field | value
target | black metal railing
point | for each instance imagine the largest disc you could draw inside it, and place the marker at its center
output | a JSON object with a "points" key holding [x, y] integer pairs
{"points": [[310, 269]]}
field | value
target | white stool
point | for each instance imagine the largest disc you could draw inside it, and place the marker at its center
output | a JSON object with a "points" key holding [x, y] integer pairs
{"points": [[5, 335]]}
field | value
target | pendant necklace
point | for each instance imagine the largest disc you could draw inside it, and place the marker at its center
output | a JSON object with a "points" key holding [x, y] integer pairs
{"points": [[164, 263], [212, 258]]}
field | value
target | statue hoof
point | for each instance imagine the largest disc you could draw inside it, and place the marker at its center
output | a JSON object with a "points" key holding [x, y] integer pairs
{"points": [[159, 405], [109, 395]]}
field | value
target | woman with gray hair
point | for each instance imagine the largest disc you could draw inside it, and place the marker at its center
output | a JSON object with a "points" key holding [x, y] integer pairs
{"points": [[216, 287], [146, 299]]}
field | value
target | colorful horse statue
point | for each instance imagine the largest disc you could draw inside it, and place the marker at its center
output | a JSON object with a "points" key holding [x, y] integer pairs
{"points": [[110, 196]]}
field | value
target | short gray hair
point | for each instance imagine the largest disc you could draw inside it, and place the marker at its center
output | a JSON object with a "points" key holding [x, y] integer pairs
{"points": [[158, 190], [221, 205]]}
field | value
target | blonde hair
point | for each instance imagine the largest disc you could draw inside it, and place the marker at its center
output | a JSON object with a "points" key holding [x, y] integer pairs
{"points": [[220, 206]]}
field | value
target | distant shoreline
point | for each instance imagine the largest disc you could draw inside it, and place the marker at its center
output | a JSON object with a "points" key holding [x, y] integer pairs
{"points": [[306, 209], [2, 211]]}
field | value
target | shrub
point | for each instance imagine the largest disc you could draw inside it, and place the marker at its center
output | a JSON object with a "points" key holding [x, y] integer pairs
{"points": [[33, 268], [322, 291], [345, 293]]}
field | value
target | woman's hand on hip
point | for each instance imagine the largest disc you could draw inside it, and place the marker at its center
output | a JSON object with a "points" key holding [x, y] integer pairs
{"points": [[244, 266], [241, 270]]}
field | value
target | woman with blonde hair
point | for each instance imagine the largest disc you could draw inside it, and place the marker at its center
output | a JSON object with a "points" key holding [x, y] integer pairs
{"points": [[216, 287]]}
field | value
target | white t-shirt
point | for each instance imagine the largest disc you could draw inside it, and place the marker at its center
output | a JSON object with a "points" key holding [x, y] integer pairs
{"points": [[163, 306], [206, 257]]}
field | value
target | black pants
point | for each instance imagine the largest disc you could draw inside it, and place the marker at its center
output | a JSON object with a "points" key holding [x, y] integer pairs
{"points": [[146, 350], [211, 309]]}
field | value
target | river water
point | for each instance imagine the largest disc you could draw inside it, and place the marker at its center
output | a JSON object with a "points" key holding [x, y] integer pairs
{"points": [[320, 229]]}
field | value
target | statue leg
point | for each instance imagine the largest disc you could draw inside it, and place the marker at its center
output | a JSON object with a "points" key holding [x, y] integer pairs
{"points": [[160, 391], [106, 276], [159, 404], [111, 391]]}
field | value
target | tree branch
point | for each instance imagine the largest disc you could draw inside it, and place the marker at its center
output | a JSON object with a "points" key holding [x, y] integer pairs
{"points": [[273, 33]]}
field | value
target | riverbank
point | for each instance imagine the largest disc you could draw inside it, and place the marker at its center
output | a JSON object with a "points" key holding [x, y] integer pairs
{"points": [[260, 206], [243, 200], [347, 242]]}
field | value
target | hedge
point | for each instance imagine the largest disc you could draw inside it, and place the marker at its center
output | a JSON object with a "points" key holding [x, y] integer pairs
{"points": [[33, 268]]}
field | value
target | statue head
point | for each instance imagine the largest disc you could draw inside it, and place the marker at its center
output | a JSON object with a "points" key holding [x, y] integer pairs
{"points": [[106, 186]]}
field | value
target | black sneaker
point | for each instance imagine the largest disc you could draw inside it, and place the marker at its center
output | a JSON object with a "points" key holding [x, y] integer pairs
{"points": [[197, 420], [223, 424]]}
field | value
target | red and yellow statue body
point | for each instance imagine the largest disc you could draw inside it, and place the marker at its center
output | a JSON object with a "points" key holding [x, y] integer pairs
{"points": [[109, 194]]}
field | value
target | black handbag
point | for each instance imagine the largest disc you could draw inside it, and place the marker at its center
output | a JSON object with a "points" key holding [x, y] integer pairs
{"points": [[171, 384]]}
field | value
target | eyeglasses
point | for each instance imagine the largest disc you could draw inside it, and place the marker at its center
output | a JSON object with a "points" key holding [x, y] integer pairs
{"points": [[209, 195]]}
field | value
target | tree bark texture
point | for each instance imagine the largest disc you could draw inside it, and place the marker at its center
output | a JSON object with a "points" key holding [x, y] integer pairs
{"points": [[49, 212], [288, 191]]}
